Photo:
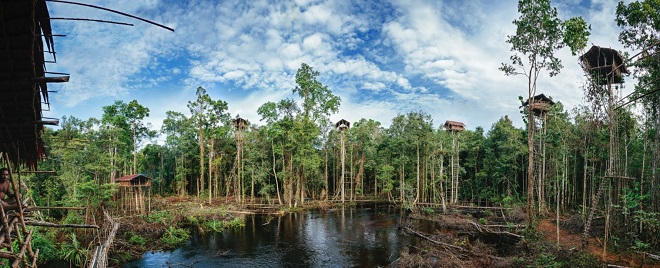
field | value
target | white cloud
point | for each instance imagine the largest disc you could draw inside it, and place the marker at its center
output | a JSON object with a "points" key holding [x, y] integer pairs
{"points": [[382, 58]]}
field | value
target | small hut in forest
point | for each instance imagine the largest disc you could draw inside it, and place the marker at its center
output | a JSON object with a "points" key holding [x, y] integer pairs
{"points": [[454, 126], [342, 125], [605, 65], [540, 104], [132, 191]]}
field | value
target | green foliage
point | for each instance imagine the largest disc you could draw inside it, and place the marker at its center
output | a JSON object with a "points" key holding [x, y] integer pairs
{"points": [[428, 210], [576, 34], [74, 252], [538, 36], [174, 237], [137, 240], [96, 194], [640, 246], [45, 242], [640, 30], [235, 223], [73, 217], [158, 216], [215, 225], [546, 260]]}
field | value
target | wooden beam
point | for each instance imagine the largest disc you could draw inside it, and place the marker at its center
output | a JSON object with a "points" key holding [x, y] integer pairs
{"points": [[54, 225]]}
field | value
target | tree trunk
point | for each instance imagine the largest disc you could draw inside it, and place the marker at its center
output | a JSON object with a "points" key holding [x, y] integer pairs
{"points": [[211, 171], [200, 184]]}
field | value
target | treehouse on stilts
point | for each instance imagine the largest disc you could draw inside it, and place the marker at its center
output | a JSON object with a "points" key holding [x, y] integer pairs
{"points": [[540, 106], [240, 125], [604, 68], [342, 125], [134, 195], [454, 128]]}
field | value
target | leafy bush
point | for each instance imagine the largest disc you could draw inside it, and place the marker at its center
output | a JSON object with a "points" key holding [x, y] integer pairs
{"points": [[215, 225], [158, 216], [73, 217], [174, 237], [45, 242], [235, 223], [137, 240], [74, 252], [428, 210]]}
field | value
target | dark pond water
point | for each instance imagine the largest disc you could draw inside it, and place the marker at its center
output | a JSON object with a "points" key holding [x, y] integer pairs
{"points": [[363, 236]]}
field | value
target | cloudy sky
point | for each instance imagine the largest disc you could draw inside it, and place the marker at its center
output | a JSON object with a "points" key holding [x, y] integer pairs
{"points": [[382, 58]]}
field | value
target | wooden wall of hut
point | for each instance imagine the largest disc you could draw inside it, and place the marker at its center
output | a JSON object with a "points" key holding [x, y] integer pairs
{"points": [[134, 199]]}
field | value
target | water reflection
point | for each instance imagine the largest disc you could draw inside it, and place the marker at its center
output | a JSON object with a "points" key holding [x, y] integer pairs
{"points": [[363, 236]]}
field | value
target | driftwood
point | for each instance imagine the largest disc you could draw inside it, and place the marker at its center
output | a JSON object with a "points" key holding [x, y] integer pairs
{"points": [[505, 226], [100, 258], [54, 225], [652, 256], [483, 229], [446, 245]]}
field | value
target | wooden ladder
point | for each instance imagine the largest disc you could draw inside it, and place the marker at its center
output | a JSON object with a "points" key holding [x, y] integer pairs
{"points": [[594, 204]]}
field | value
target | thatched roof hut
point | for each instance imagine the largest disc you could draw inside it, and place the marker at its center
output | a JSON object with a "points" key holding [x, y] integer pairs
{"points": [[342, 125], [23, 79], [540, 104], [454, 126], [604, 64]]}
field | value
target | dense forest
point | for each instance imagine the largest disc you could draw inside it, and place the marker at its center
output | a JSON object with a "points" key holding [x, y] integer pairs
{"points": [[294, 153]]}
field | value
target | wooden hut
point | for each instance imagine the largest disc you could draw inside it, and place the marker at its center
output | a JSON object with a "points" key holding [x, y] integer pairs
{"points": [[133, 190], [342, 125], [540, 104], [239, 123], [604, 64], [454, 126]]}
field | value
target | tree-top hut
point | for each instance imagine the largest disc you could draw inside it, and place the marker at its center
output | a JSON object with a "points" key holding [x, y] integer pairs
{"points": [[605, 65], [541, 104], [132, 191], [454, 126], [239, 123], [342, 125]]}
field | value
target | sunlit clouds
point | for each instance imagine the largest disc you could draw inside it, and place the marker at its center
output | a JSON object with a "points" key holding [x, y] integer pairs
{"points": [[382, 58]]}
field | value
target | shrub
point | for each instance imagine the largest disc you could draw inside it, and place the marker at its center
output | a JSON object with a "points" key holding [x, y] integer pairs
{"points": [[137, 240], [45, 242], [158, 216], [74, 252], [235, 223], [174, 237], [215, 225]]}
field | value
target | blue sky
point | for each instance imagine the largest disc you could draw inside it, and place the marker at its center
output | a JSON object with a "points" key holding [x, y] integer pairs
{"points": [[382, 58]]}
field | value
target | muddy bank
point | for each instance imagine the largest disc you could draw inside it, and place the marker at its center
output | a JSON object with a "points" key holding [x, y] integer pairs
{"points": [[490, 237]]}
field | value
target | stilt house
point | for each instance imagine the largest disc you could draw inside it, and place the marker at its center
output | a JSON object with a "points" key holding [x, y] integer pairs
{"points": [[134, 191]]}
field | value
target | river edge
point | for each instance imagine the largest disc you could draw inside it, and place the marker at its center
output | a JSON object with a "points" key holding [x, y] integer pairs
{"points": [[469, 237]]}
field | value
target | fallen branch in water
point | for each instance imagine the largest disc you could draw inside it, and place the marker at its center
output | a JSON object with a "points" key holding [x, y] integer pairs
{"points": [[418, 234]]}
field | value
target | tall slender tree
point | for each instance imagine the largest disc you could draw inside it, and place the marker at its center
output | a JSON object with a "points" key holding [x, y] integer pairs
{"points": [[539, 34]]}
